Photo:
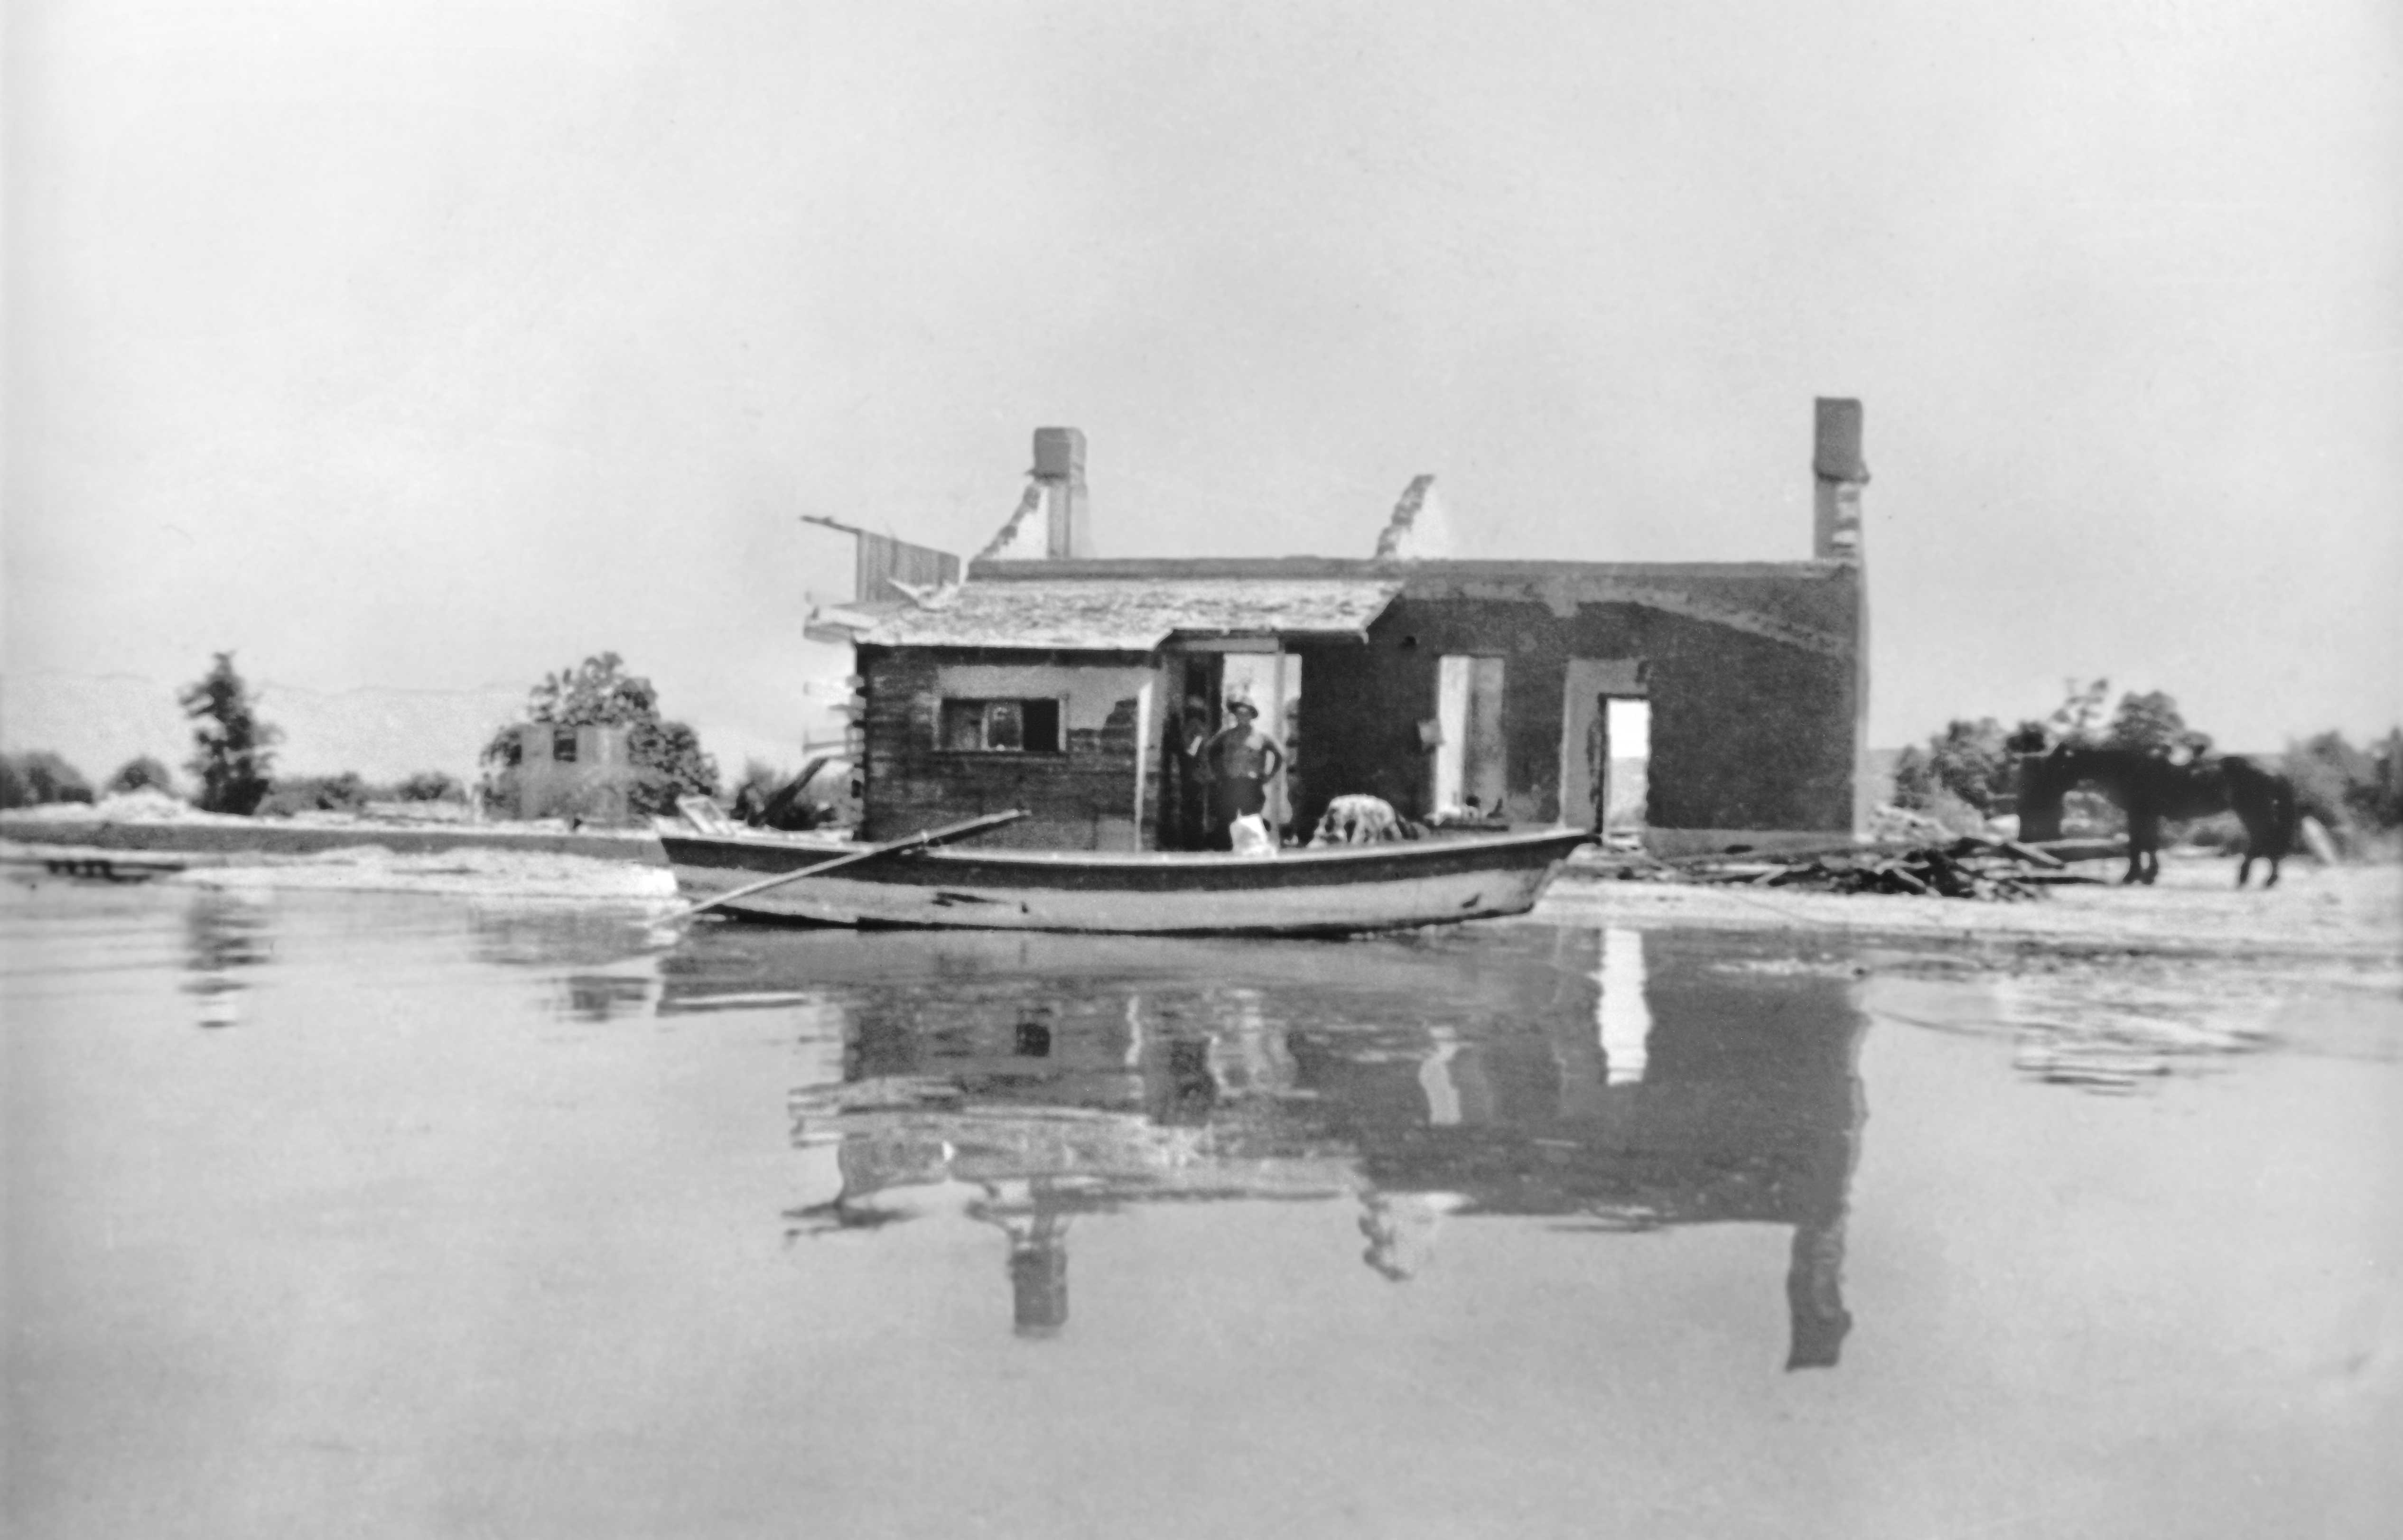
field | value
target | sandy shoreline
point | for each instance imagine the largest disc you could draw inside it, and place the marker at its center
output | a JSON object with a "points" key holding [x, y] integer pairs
{"points": [[2336, 912]]}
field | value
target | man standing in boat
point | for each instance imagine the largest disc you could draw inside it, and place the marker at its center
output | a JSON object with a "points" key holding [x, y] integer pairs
{"points": [[1188, 748], [1242, 761]]}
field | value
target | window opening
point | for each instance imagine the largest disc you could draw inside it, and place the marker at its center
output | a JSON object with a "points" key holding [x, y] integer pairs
{"points": [[1029, 725]]}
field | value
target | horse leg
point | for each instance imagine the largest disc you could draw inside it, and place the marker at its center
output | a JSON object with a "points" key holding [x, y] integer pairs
{"points": [[2142, 835], [2273, 874], [2244, 867]]}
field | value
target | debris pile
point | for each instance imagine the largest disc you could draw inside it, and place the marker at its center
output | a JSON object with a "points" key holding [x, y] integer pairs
{"points": [[1970, 867]]}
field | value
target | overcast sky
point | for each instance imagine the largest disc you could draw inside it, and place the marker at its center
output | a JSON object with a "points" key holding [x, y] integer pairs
{"points": [[412, 349]]}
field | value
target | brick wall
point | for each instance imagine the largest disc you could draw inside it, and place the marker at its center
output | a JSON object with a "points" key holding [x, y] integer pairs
{"points": [[1749, 731]]}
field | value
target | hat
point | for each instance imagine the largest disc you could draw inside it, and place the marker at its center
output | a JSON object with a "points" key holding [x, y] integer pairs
{"points": [[1241, 704]]}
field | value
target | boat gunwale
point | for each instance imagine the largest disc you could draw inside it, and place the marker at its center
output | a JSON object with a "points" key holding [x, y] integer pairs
{"points": [[1410, 851]]}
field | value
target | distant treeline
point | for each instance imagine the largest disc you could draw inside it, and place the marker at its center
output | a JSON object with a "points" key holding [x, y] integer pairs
{"points": [[1974, 764], [41, 777]]}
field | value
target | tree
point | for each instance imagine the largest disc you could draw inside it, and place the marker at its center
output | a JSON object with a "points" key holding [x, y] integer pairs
{"points": [[40, 777], [142, 773], [1972, 760], [2152, 723], [2343, 786], [232, 746], [2077, 721], [598, 692], [2030, 736]]}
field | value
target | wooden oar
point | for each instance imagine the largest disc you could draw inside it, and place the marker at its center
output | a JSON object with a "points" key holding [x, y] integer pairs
{"points": [[916, 841]]}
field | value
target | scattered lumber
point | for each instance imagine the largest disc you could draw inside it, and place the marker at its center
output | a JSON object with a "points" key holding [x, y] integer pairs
{"points": [[1970, 867]]}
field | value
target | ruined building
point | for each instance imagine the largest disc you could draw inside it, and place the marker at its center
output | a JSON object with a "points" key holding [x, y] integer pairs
{"points": [[1484, 692]]}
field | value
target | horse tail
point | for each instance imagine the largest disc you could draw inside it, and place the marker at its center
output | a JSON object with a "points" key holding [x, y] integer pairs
{"points": [[2289, 820], [2267, 803]]}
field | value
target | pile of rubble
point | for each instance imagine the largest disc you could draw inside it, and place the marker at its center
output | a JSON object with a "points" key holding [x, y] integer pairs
{"points": [[1969, 866]]}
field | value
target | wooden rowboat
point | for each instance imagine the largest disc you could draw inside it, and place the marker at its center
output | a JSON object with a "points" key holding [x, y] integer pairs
{"points": [[1313, 892]]}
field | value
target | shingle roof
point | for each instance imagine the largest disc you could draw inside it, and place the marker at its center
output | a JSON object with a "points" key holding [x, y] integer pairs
{"points": [[1134, 615]]}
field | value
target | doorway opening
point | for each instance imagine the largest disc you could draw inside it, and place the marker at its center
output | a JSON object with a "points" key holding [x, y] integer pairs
{"points": [[1272, 682], [1468, 756], [1606, 748], [1626, 783], [1203, 681]]}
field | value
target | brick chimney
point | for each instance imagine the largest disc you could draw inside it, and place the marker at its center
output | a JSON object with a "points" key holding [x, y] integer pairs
{"points": [[1059, 472], [1836, 467]]}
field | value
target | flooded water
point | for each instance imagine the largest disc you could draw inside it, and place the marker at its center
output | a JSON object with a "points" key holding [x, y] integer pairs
{"points": [[391, 1215]]}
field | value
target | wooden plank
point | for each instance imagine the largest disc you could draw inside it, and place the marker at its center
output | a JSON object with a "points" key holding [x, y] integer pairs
{"points": [[915, 841]]}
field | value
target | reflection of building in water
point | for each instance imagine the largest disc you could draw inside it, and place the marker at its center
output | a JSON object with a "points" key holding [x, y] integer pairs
{"points": [[1401, 1228], [1034, 1214], [1612, 1081], [224, 936], [1688, 1090], [1623, 1018]]}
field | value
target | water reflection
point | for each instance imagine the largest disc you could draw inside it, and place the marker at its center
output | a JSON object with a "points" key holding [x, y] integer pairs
{"points": [[540, 935], [1622, 1020], [604, 958], [2114, 1027], [1608, 1082], [2117, 1034], [225, 936], [600, 996]]}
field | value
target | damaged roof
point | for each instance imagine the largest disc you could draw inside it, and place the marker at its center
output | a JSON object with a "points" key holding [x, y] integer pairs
{"points": [[1132, 614]]}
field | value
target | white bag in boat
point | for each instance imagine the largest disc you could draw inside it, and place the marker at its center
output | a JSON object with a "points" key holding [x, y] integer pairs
{"points": [[1250, 836]]}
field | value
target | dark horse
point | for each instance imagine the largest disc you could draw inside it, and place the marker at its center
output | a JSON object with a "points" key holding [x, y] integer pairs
{"points": [[2150, 787]]}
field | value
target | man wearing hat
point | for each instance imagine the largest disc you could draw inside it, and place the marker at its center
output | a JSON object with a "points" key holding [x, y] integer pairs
{"points": [[1241, 760]]}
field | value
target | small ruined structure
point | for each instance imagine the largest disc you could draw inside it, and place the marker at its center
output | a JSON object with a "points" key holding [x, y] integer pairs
{"points": [[1480, 691], [577, 772]]}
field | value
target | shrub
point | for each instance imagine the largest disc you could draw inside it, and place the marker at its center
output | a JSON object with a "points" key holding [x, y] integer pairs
{"points": [[141, 774], [343, 793], [430, 786], [31, 780], [1914, 781]]}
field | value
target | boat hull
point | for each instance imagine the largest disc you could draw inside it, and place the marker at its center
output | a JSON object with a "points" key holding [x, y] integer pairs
{"points": [[1311, 892]]}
